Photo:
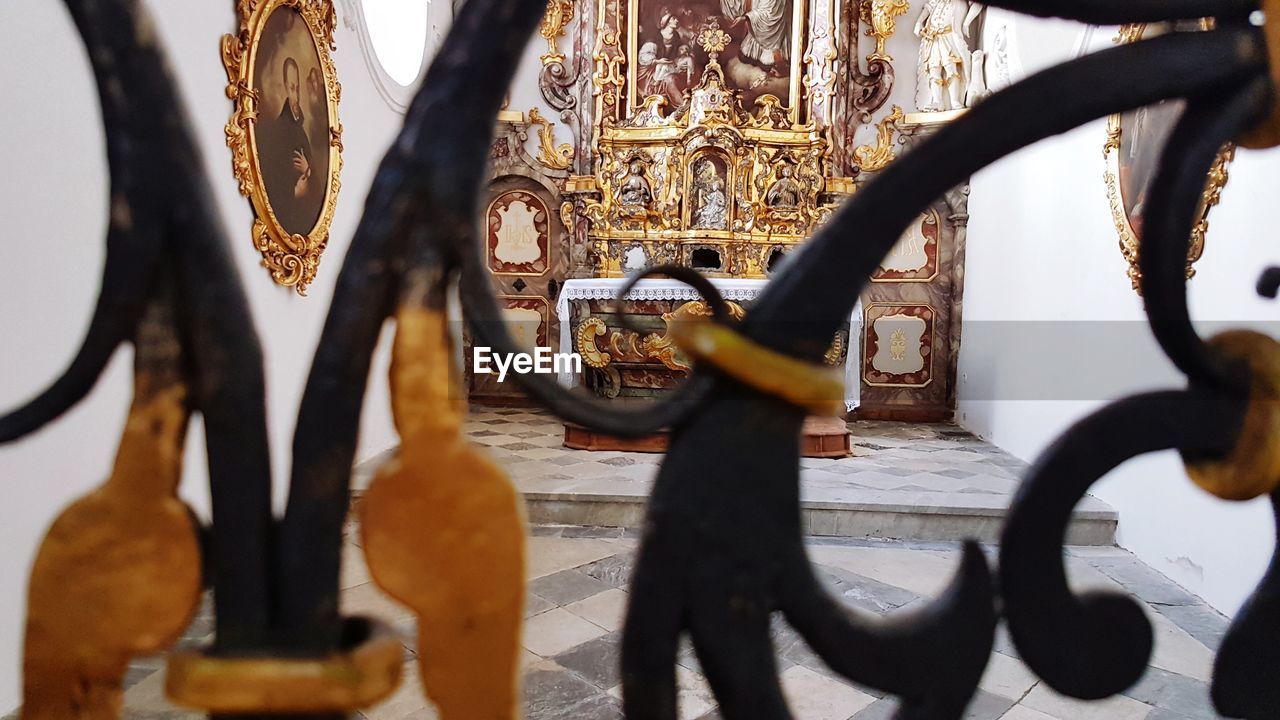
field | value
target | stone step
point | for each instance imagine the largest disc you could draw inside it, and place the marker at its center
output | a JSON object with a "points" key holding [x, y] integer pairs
{"points": [[889, 515], [905, 481]]}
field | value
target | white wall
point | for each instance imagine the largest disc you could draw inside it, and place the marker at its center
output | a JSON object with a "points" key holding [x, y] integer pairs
{"points": [[53, 219], [1043, 267]]}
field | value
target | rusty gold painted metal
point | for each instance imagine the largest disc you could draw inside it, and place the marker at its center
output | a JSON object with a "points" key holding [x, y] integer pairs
{"points": [[814, 387], [1252, 469], [118, 574], [342, 682], [1266, 133], [444, 533]]}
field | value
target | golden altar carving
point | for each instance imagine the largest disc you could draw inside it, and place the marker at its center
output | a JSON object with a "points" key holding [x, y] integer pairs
{"points": [[701, 177]]}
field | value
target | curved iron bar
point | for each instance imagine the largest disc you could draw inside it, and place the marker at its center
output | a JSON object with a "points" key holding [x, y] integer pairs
{"points": [[723, 548], [124, 75], [708, 292], [1269, 283], [425, 193], [161, 220], [1167, 223], [1098, 644], [694, 279], [488, 328], [718, 557], [1108, 12], [811, 296], [1244, 677]]}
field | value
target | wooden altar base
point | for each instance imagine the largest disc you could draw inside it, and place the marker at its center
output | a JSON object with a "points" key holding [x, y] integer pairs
{"points": [[824, 437]]}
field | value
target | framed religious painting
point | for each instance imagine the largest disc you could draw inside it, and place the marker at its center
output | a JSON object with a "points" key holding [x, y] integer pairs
{"points": [[667, 53], [1135, 141], [284, 133]]}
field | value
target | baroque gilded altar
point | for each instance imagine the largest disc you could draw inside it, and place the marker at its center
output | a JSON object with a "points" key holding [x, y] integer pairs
{"points": [[701, 157]]}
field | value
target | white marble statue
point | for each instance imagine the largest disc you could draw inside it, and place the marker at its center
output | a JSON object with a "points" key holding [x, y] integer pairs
{"points": [[999, 59], [976, 88], [942, 75], [995, 39]]}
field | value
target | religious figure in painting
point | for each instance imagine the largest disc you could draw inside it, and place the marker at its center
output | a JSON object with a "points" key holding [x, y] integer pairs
{"points": [[1143, 135], [767, 41], [669, 59], [666, 62], [292, 136], [635, 187], [785, 192], [288, 162], [710, 204], [944, 55]]}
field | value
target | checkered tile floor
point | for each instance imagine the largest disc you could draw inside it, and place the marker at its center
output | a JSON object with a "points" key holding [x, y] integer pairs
{"points": [[578, 589], [578, 592]]}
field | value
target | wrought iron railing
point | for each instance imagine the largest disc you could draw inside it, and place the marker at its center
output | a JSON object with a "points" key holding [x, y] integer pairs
{"points": [[722, 548]]}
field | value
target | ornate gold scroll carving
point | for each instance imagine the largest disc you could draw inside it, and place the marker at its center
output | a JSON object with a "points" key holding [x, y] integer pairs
{"points": [[556, 158], [558, 16], [881, 19], [871, 158]]}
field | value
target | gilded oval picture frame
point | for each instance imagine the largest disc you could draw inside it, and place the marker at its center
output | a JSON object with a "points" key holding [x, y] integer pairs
{"points": [[284, 133], [1135, 140]]}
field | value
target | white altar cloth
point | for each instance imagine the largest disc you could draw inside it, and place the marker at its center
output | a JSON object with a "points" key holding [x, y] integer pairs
{"points": [[735, 289]]}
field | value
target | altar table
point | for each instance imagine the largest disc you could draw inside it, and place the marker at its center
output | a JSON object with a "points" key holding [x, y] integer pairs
{"points": [[738, 290]]}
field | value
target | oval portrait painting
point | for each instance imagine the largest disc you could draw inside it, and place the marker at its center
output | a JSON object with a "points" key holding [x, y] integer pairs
{"points": [[1135, 142], [292, 133], [286, 131]]}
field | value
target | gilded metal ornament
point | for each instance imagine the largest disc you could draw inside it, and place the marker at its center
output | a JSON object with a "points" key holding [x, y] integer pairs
{"points": [[286, 158], [118, 573], [1252, 469], [444, 529], [343, 682], [819, 389]]}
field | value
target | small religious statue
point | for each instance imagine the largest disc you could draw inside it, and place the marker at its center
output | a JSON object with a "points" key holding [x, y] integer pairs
{"points": [[944, 54], [710, 205], [635, 187], [785, 192]]}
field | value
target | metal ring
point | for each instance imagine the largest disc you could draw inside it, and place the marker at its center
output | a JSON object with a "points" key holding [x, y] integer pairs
{"points": [[1252, 468]]}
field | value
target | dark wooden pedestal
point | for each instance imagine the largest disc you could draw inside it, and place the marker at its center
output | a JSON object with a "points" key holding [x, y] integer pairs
{"points": [[825, 437]]}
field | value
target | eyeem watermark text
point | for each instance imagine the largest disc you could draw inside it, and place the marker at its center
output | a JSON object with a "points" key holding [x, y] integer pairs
{"points": [[543, 361]]}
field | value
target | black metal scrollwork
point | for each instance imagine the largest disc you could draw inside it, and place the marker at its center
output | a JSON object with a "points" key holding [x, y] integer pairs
{"points": [[723, 547]]}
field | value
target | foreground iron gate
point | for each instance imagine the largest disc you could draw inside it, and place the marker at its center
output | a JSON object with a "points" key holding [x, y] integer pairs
{"points": [[722, 550]]}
